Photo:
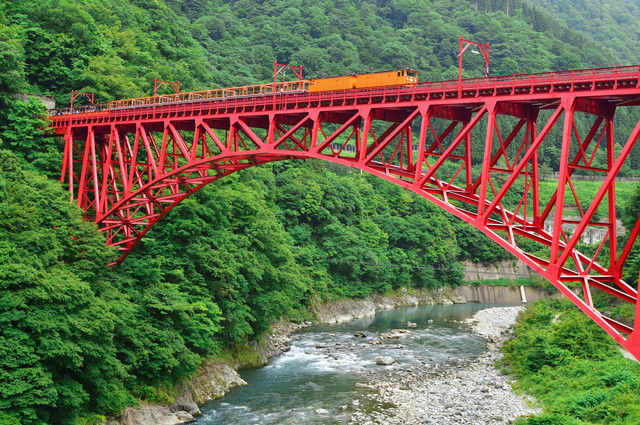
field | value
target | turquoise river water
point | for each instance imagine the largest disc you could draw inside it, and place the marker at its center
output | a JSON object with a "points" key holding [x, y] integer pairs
{"points": [[325, 362]]}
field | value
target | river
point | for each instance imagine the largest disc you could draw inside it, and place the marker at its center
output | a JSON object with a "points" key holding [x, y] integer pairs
{"points": [[315, 382]]}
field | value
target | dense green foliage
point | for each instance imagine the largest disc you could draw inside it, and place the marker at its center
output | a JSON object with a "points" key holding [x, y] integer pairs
{"points": [[231, 260], [113, 47], [73, 339], [630, 216], [116, 47], [266, 243], [613, 24], [78, 339], [573, 368]]}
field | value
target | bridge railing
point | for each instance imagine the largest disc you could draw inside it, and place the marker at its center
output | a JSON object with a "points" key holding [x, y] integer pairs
{"points": [[82, 109], [263, 95], [225, 93], [556, 77]]}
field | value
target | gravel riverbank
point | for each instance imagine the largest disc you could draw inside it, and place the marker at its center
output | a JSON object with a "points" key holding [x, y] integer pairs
{"points": [[469, 393]]}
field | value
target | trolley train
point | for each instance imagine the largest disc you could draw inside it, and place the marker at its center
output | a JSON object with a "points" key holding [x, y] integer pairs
{"points": [[402, 77]]}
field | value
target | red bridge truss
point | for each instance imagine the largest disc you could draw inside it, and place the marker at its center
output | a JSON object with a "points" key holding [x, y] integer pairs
{"points": [[128, 168]]}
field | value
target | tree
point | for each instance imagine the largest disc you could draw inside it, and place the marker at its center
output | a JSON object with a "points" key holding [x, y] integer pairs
{"points": [[11, 59]]}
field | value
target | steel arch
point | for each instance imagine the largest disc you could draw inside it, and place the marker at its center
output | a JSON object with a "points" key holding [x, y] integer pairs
{"points": [[128, 169]]}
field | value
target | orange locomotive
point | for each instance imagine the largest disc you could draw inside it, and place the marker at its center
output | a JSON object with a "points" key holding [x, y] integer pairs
{"points": [[400, 77], [361, 81]]}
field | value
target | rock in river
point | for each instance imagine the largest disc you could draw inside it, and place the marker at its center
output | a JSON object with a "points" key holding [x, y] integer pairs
{"points": [[385, 360]]}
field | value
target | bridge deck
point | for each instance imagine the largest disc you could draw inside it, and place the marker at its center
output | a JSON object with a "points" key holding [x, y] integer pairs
{"points": [[535, 87]]}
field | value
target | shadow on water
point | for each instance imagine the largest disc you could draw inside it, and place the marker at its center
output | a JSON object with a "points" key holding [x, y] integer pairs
{"points": [[314, 382]]}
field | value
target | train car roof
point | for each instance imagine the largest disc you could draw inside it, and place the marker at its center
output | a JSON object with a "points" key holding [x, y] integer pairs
{"points": [[364, 73]]}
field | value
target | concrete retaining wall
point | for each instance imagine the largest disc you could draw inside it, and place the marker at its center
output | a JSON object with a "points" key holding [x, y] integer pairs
{"points": [[502, 294]]}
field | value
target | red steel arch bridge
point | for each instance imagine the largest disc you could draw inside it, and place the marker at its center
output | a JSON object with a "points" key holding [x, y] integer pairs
{"points": [[470, 146]]}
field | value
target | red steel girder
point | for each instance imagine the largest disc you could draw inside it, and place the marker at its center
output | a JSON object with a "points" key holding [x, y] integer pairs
{"points": [[128, 169]]}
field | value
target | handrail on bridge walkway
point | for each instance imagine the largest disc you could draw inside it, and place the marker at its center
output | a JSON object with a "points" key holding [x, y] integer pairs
{"points": [[544, 82]]}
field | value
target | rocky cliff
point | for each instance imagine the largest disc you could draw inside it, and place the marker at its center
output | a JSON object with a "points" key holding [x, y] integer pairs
{"points": [[509, 269]]}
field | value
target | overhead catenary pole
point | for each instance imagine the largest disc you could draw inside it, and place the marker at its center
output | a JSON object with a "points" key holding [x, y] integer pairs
{"points": [[159, 83], [483, 50], [279, 68], [76, 94]]}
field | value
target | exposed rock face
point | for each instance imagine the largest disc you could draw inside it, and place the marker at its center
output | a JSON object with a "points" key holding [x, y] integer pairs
{"points": [[213, 381], [48, 101], [185, 403], [510, 269], [347, 310], [592, 235], [277, 341], [502, 294], [147, 414]]}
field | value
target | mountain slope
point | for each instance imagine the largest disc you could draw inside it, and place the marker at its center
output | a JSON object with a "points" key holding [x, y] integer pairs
{"points": [[615, 24]]}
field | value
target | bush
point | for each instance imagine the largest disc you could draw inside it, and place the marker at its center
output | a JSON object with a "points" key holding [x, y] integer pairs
{"points": [[549, 420], [572, 367]]}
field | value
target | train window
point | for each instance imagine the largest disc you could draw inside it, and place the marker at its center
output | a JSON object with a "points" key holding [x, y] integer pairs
{"points": [[413, 74], [399, 73]]}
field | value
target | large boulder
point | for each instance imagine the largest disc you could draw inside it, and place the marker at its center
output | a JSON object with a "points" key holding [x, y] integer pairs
{"points": [[147, 414], [212, 382]]}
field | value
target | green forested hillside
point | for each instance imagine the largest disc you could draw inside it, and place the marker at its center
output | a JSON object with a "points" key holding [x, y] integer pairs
{"points": [[614, 24], [116, 47], [78, 339]]}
